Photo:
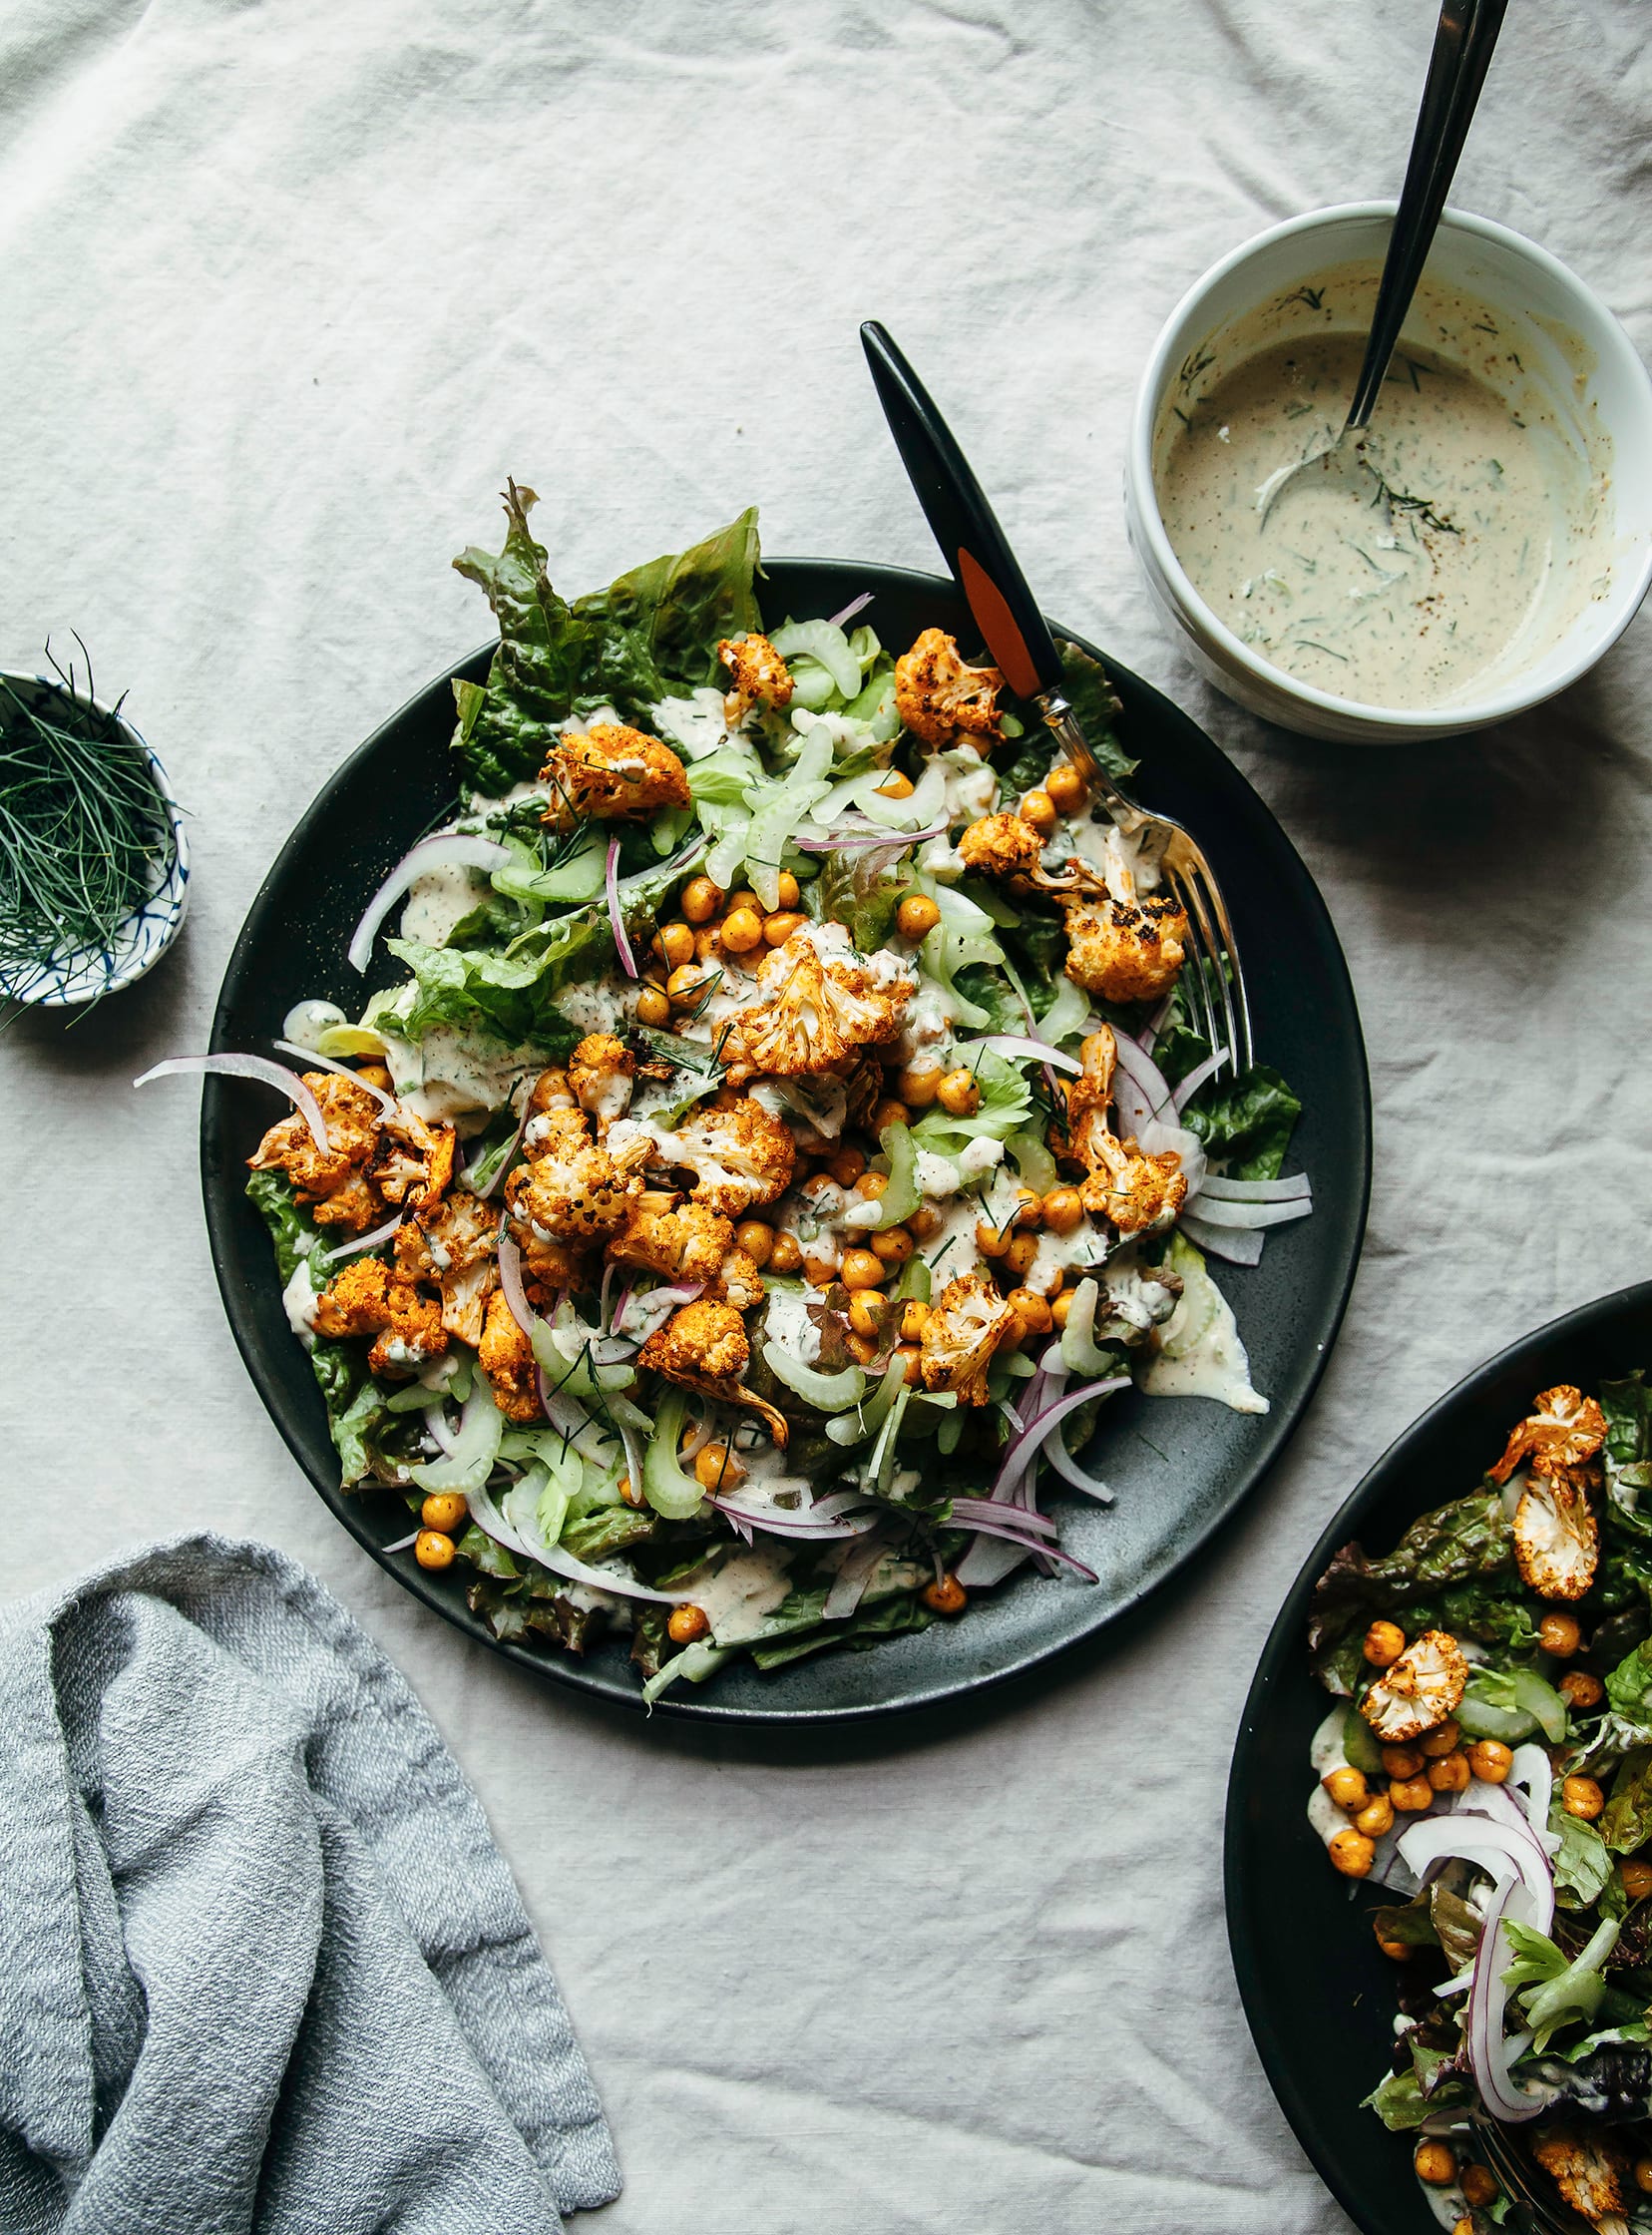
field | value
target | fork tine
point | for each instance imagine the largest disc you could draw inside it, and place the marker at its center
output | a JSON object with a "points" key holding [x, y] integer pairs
{"points": [[1221, 992], [1196, 981], [1243, 1049]]}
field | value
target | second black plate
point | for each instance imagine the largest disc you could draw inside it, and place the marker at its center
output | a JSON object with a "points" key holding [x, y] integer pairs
{"points": [[1180, 1467]]}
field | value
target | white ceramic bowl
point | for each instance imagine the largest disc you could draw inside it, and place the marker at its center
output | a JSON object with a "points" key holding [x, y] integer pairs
{"points": [[151, 929], [1598, 381]]}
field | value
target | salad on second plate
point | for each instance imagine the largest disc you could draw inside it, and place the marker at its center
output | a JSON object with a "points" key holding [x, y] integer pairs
{"points": [[782, 1133], [1490, 1767]]}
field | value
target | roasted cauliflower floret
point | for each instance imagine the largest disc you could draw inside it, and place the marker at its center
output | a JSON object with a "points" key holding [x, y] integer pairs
{"points": [[740, 1157], [738, 1281], [412, 1336], [1564, 1430], [1419, 1692], [1556, 1541], [680, 1242], [356, 1300], [353, 1208], [599, 1071], [413, 1161], [1589, 2172], [610, 773], [1125, 950], [757, 677], [572, 1193], [822, 1005], [350, 1115], [506, 1356], [1087, 1098], [704, 1347], [454, 1243], [1001, 846], [965, 1328], [942, 700], [1139, 1193]]}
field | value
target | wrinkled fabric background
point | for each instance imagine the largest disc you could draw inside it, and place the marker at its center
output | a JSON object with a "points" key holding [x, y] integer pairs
{"points": [[286, 291]]}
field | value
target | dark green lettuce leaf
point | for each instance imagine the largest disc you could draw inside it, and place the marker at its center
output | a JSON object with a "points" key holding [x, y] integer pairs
{"points": [[1402, 2100], [1628, 1822], [511, 994], [1627, 1405], [862, 891], [1629, 1686], [290, 1229], [610, 1529], [355, 1408], [1248, 1120], [1582, 1866], [1467, 1540], [626, 645], [1092, 699]]}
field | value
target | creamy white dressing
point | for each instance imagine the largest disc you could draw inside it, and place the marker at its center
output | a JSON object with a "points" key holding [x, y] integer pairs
{"points": [[1058, 1254], [698, 724], [1201, 1353], [594, 1004], [439, 900], [1440, 556], [737, 1598], [787, 1322], [307, 1020], [452, 1075], [299, 1301]]}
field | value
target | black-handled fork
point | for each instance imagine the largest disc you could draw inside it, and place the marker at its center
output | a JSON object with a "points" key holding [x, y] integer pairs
{"points": [[1018, 638]]}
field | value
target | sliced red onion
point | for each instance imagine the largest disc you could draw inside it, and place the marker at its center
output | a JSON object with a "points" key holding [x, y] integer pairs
{"points": [[1185, 1089], [1506, 1804], [1239, 1248], [965, 1510], [385, 1100], [1531, 1781], [1285, 1190], [364, 1242], [1059, 1456], [852, 841], [1490, 2054], [403, 1544], [1014, 1528], [1152, 1088], [449, 850], [1156, 1023], [532, 1541], [1021, 1446], [435, 1419], [777, 1523], [250, 1067], [849, 1584], [1024, 1050], [989, 1559], [650, 1310], [855, 606], [1499, 1849], [510, 1280], [1241, 1217], [617, 922]]}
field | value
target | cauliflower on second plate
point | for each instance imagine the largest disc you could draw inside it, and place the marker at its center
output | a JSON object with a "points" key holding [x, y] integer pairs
{"points": [[740, 1157], [963, 1331], [1137, 1192], [1419, 1692], [1001, 845], [1556, 1538]]}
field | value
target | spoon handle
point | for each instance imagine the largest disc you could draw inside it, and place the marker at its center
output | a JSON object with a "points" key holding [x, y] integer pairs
{"points": [[1462, 46]]}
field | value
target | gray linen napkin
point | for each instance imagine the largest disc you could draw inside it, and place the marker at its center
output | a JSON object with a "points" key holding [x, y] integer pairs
{"points": [[261, 1966]]}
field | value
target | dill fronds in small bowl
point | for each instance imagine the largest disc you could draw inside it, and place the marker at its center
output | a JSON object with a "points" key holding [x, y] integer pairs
{"points": [[94, 867]]}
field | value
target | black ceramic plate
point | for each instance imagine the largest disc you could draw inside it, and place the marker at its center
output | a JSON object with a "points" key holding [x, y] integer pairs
{"points": [[1179, 1467], [1317, 1992]]}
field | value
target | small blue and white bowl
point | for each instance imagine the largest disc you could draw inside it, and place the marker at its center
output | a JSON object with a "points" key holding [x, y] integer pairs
{"points": [[71, 978]]}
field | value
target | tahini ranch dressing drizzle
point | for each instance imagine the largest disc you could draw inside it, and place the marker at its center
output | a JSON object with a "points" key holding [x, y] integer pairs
{"points": [[1453, 546]]}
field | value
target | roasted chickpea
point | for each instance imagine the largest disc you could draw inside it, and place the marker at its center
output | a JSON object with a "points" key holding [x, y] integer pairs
{"points": [[896, 786], [846, 1165], [1490, 1760], [652, 1007], [912, 1364], [860, 1269], [788, 889], [757, 1238], [1347, 1787], [1066, 787], [708, 942], [893, 1245], [373, 1075], [742, 929], [1582, 1797], [1410, 1794], [1018, 1256], [785, 1256], [1060, 1309], [915, 916], [870, 1186], [686, 986], [629, 1494], [1028, 1209], [861, 1348], [990, 1240], [820, 1272], [717, 1468], [1560, 1634], [925, 1224], [1643, 2175], [1397, 1950], [1351, 1853], [1038, 809], [919, 1084], [1479, 2185], [1435, 2163], [685, 1623], [948, 1597], [957, 1092], [701, 900], [1031, 1311], [1448, 1773], [1582, 1690], [781, 925], [864, 1314], [1384, 1644], [445, 1509], [1062, 1210], [433, 1548], [1401, 1761], [674, 945], [889, 1111], [1375, 1818], [913, 1319], [1637, 1878], [747, 899], [1443, 1740]]}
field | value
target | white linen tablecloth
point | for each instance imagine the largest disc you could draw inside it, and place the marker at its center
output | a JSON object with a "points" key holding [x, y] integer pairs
{"points": [[286, 291]]}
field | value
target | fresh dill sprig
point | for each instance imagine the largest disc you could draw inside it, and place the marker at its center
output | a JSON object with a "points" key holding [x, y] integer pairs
{"points": [[1397, 500], [85, 835]]}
